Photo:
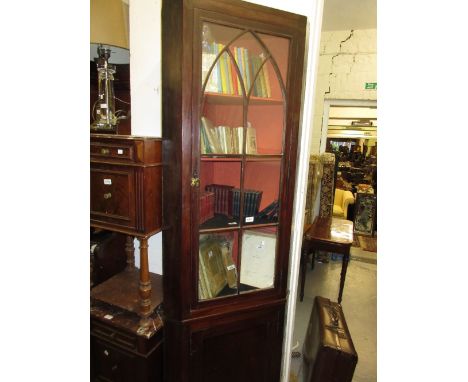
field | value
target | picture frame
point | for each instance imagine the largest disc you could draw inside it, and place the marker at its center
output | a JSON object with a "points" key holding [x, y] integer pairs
{"points": [[365, 212]]}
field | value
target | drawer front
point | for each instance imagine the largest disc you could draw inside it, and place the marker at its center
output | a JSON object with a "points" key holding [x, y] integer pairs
{"points": [[124, 340], [109, 363], [119, 151], [113, 196]]}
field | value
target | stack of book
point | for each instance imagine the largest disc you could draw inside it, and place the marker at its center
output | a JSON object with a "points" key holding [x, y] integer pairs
{"points": [[216, 266], [206, 206], [222, 198], [226, 139], [252, 200], [224, 78]]}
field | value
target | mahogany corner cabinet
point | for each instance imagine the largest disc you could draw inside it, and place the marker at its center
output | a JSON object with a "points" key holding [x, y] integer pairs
{"points": [[232, 85]]}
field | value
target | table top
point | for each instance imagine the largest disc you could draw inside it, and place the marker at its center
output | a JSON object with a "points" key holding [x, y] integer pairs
{"points": [[332, 230]]}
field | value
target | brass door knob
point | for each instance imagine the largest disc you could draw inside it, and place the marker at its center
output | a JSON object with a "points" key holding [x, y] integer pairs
{"points": [[195, 182]]}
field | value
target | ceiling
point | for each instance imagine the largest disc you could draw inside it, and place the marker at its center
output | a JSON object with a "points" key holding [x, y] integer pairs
{"points": [[349, 14]]}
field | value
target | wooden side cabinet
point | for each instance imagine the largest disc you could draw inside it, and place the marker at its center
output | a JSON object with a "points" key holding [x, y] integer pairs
{"points": [[126, 184], [126, 197]]}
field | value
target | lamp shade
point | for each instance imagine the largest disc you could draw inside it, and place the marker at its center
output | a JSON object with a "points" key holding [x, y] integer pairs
{"points": [[109, 23]]}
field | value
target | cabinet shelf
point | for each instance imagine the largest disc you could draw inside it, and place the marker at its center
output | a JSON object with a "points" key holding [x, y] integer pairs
{"points": [[221, 223], [238, 157], [232, 99]]}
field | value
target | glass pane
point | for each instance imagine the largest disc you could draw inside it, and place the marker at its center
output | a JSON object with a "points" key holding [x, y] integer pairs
{"points": [[221, 123], [217, 270], [278, 48], [261, 191], [218, 178], [266, 108], [223, 76], [258, 259]]}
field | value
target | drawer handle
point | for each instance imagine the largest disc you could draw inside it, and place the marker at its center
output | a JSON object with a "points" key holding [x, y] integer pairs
{"points": [[106, 353], [107, 195], [105, 151]]}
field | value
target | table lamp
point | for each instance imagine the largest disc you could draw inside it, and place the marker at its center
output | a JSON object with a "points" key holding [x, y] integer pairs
{"points": [[109, 46]]}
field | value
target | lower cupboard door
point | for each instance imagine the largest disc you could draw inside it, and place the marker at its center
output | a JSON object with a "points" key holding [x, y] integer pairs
{"points": [[247, 351]]}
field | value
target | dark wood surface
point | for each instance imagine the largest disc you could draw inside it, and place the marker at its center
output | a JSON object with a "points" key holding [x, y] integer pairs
{"points": [[210, 326], [331, 235], [121, 290], [120, 349]]}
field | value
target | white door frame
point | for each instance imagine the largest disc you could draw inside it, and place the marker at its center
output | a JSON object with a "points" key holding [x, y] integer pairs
{"points": [[314, 27], [338, 102], [324, 131]]}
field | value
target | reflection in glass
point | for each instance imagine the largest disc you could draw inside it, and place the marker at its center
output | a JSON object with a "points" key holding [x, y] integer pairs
{"points": [[218, 178], [258, 258], [263, 176], [217, 273], [241, 135]]}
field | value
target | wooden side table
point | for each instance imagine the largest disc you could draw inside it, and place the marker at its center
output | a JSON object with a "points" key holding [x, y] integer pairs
{"points": [[126, 197], [331, 235]]}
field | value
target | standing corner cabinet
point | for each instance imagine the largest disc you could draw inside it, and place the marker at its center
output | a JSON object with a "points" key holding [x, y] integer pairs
{"points": [[232, 85]]}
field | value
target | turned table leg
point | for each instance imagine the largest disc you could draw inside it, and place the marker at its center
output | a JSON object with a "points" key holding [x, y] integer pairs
{"points": [[130, 251], [145, 284], [344, 268]]}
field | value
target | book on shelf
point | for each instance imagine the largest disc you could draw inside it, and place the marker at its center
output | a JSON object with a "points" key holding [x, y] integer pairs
{"points": [[207, 200], [229, 266], [224, 78], [251, 144], [246, 64], [252, 201], [238, 57], [266, 76], [261, 75], [257, 88], [222, 198], [208, 58], [226, 139], [209, 134], [212, 275], [216, 266], [258, 259]]}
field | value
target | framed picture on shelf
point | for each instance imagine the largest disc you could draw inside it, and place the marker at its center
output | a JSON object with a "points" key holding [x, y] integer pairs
{"points": [[365, 212]]}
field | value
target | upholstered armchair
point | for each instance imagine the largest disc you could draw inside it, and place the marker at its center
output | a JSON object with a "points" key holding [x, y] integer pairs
{"points": [[342, 200]]}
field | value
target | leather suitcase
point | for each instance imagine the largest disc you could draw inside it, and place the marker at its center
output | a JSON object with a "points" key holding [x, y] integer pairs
{"points": [[329, 353]]}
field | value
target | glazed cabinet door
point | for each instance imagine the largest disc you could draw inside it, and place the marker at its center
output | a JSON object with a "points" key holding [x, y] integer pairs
{"points": [[240, 137]]}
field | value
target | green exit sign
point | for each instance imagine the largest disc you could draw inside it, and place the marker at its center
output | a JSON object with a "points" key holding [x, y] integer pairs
{"points": [[371, 85]]}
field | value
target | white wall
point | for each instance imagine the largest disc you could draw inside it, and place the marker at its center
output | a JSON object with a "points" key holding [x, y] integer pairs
{"points": [[145, 90], [347, 61]]}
